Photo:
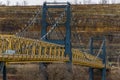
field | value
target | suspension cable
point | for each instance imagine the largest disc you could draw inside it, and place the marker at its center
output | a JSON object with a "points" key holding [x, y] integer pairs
{"points": [[30, 22], [54, 26], [99, 50], [33, 20], [78, 38], [85, 52], [51, 19]]}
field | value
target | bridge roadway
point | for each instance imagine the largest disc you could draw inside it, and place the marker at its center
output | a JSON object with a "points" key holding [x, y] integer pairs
{"points": [[18, 49]]}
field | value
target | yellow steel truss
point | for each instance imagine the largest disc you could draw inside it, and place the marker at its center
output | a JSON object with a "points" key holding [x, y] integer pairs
{"points": [[18, 49]]}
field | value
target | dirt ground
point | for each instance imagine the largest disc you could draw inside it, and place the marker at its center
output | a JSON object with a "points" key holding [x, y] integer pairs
{"points": [[55, 72]]}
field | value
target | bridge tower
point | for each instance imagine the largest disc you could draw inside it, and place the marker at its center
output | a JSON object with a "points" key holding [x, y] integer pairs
{"points": [[101, 54], [3, 70], [45, 25], [55, 22]]}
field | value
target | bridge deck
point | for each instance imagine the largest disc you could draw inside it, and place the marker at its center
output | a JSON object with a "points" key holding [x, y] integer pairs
{"points": [[18, 49]]}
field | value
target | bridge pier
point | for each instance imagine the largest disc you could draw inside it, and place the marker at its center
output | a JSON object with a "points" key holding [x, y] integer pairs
{"points": [[3, 69], [4, 72], [104, 74], [42, 68], [91, 74]]}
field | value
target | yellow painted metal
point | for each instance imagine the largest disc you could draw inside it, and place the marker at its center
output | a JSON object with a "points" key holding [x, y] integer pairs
{"points": [[15, 49]]}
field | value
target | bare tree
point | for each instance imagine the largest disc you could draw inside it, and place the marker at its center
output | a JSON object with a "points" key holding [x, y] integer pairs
{"points": [[54, 0], [17, 3], [0, 2], [79, 2], [24, 3], [75, 1], [104, 1], [85, 1], [8, 2], [89, 1], [113, 1]]}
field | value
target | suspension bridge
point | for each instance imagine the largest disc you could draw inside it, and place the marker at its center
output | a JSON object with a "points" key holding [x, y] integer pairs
{"points": [[14, 48]]}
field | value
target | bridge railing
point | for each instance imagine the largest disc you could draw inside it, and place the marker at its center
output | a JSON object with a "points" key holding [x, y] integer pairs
{"points": [[86, 59], [18, 46], [16, 49]]}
